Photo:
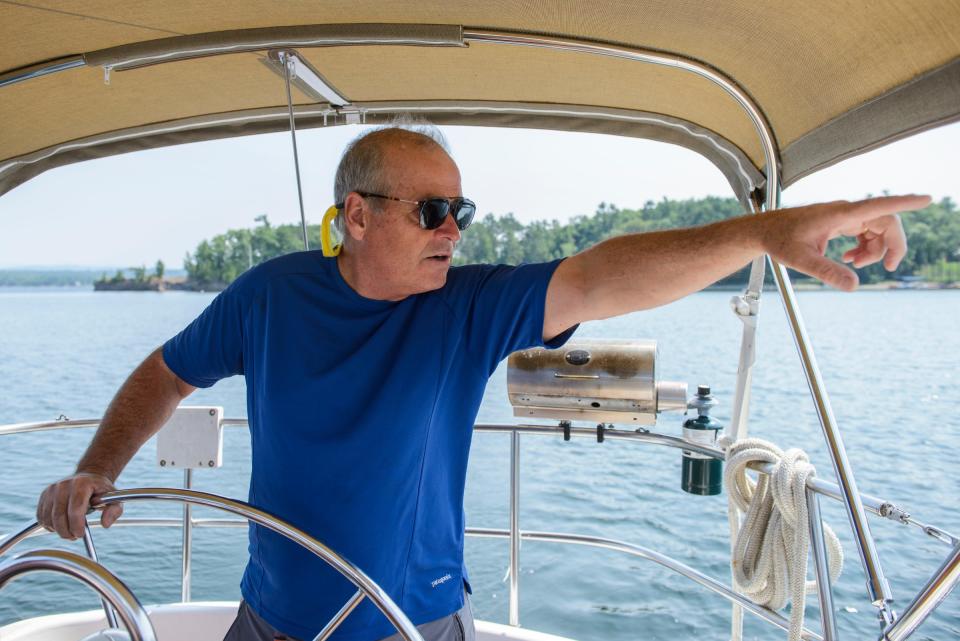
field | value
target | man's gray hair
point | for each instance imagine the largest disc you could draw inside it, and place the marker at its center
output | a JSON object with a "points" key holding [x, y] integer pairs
{"points": [[362, 166]]}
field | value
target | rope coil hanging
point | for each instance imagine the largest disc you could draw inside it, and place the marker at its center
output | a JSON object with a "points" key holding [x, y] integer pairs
{"points": [[771, 545]]}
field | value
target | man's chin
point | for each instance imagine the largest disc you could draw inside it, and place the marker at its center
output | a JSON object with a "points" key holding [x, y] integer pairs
{"points": [[433, 281]]}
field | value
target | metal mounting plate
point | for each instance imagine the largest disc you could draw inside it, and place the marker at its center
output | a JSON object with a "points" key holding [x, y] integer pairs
{"points": [[192, 438]]}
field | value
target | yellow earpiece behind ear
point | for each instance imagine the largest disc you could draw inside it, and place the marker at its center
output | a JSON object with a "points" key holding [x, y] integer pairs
{"points": [[326, 241]]}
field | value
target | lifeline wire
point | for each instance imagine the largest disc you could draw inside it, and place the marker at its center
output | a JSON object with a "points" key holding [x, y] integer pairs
{"points": [[769, 561]]}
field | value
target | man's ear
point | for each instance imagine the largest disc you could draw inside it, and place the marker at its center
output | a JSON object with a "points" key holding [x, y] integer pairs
{"points": [[355, 214]]}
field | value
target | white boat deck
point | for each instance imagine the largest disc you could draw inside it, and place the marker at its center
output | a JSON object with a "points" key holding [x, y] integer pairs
{"points": [[197, 621]]}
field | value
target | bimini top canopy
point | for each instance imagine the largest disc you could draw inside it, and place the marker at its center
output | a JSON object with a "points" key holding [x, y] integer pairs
{"points": [[823, 80]]}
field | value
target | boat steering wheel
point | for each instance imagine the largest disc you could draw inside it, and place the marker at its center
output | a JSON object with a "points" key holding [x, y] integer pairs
{"points": [[366, 587]]}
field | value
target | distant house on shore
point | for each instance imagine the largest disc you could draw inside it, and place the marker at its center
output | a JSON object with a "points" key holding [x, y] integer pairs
{"points": [[910, 282]]}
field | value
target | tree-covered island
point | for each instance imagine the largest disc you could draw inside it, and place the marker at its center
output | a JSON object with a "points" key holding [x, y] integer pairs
{"points": [[137, 281]]}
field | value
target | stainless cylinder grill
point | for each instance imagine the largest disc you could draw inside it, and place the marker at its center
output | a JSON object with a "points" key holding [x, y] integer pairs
{"points": [[603, 381]]}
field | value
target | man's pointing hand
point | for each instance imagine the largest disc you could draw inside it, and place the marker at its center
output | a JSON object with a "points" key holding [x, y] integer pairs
{"points": [[798, 237]]}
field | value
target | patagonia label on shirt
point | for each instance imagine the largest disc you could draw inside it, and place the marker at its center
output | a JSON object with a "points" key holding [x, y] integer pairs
{"points": [[443, 579]]}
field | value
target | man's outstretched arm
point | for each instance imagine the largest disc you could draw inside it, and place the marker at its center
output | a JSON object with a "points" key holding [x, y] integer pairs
{"points": [[140, 408], [641, 271]]}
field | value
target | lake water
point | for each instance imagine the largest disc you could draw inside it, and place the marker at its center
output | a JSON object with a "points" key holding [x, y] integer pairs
{"points": [[889, 360]]}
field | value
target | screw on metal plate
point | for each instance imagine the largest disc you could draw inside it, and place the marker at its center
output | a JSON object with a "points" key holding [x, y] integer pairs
{"points": [[163, 463], [213, 412], [209, 463]]}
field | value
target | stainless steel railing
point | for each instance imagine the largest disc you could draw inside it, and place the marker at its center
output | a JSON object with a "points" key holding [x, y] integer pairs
{"points": [[941, 583], [873, 504]]}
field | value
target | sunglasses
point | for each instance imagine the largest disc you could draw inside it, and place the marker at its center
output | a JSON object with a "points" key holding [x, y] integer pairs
{"points": [[433, 211]]}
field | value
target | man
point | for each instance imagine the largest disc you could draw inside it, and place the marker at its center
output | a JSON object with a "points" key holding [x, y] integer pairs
{"points": [[365, 373]]}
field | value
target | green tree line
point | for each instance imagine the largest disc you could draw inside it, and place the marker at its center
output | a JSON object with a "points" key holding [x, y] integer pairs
{"points": [[934, 239], [217, 262]]}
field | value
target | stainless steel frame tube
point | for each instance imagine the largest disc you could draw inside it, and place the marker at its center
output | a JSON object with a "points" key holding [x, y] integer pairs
{"points": [[514, 610], [184, 48], [877, 587], [764, 132], [821, 566], [932, 595], [186, 550]]}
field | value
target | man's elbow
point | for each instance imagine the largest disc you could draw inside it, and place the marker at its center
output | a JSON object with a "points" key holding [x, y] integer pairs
{"points": [[176, 384]]}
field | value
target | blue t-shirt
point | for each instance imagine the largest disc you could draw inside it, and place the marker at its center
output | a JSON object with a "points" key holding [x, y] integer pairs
{"points": [[361, 413]]}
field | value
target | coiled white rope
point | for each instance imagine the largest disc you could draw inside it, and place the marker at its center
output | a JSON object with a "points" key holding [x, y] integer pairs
{"points": [[770, 548]]}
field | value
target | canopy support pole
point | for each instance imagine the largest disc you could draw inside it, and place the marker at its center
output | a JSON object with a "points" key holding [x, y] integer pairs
{"points": [[877, 587], [288, 63]]}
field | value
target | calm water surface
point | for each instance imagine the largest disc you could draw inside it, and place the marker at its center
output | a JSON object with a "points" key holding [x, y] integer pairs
{"points": [[889, 360]]}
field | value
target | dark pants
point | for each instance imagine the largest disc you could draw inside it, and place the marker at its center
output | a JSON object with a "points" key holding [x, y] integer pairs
{"points": [[248, 626]]}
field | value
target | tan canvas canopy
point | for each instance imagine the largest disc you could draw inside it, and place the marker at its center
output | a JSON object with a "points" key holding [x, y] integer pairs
{"points": [[827, 80]]}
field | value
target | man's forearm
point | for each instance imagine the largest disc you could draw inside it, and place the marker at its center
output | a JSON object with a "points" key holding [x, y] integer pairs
{"points": [[140, 408], [641, 271]]}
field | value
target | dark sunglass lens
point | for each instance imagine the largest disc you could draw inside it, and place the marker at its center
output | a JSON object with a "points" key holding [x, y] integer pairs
{"points": [[433, 212], [463, 213]]}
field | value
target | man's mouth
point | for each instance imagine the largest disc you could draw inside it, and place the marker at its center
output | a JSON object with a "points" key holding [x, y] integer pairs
{"points": [[443, 253]]}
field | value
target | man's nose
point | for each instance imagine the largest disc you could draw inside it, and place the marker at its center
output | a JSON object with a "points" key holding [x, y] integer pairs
{"points": [[449, 229]]}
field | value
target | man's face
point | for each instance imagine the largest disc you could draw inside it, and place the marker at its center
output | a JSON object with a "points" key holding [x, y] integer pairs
{"points": [[404, 258]]}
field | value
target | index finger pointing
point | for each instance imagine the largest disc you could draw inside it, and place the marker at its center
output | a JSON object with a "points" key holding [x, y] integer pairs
{"points": [[884, 205]]}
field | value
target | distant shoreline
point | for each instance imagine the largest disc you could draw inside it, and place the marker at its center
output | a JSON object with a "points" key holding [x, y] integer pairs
{"points": [[183, 286], [152, 284], [883, 286]]}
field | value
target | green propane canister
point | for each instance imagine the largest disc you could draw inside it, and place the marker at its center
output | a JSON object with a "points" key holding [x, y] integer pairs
{"points": [[701, 474]]}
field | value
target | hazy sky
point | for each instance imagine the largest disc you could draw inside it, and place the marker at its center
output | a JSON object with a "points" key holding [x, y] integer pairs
{"points": [[135, 208]]}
